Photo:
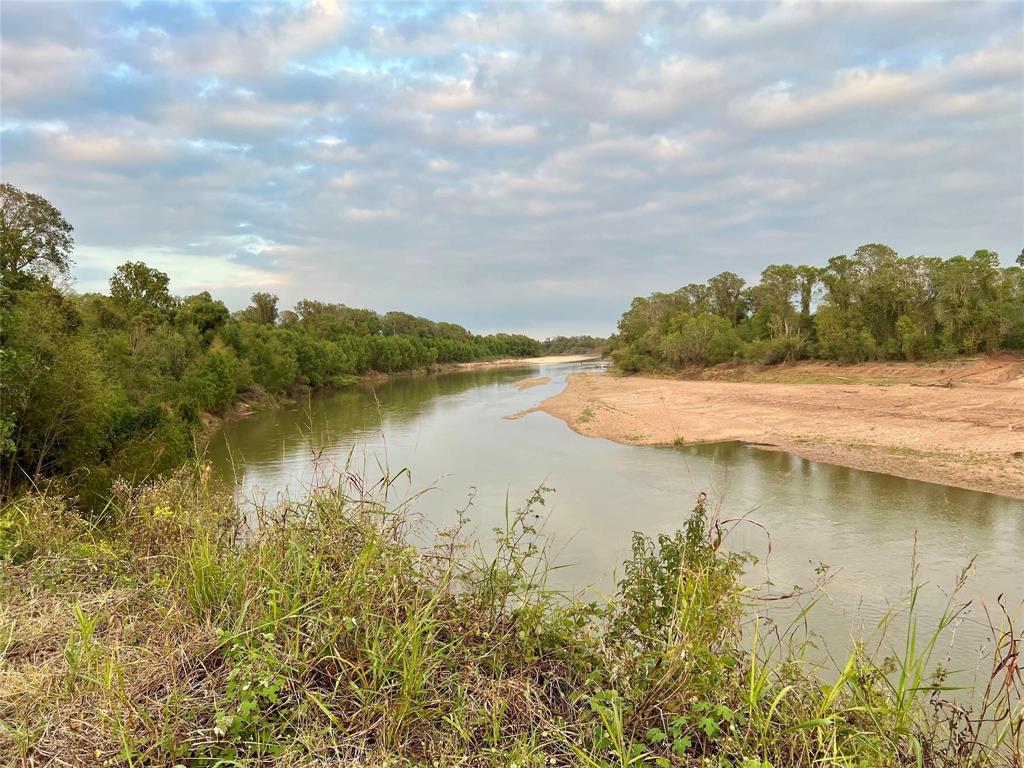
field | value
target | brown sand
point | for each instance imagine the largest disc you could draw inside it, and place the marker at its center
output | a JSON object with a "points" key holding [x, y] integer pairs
{"points": [[534, 382], [969, 434], [512, 362]]}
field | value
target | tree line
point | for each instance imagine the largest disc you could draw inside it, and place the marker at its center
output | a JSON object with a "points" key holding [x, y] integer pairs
{"points": [[96, 386], [871, 305], [574, 345]]}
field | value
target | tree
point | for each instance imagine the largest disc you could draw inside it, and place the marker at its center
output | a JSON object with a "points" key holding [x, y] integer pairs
{"points": [[727, 294], [205, 313], [35, 238], [1020, 258], [840, 278], [874, 255], [139, 288], [262, 310], [773, 299], [55, 401], [699, 340], [807, 280]]}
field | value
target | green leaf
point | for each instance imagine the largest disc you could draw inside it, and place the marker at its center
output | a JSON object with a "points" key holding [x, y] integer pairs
{"points": [[681, 746], [656, 736]]}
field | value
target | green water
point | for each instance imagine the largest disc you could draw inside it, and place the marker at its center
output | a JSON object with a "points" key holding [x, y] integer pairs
{"points": [[449, 433]]}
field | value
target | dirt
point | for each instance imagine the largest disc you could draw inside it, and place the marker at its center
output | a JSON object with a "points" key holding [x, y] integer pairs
{"points": [[534, 382], [960, 424]]}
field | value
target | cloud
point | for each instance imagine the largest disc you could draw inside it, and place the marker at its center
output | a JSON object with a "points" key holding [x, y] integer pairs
{"points": [[778, 107], [676, 82], [369, 215], [268, 38], [498, 162]]}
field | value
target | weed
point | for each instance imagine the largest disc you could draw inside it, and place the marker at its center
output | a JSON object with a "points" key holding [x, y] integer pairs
{"points": [[174, 632]]}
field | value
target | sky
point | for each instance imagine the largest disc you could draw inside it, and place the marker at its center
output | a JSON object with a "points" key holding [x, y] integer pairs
{"points": [[524, 167]]}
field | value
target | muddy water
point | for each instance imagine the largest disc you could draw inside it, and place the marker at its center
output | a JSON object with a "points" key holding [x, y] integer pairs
{"points": [[801, 518]]}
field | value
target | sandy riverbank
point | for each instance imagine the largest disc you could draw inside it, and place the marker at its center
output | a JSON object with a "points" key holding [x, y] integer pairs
{"points": [[513, 362], [901, 420]]}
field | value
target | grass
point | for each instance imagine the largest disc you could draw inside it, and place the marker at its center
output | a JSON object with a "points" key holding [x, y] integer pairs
{"points": [[173, 630]]}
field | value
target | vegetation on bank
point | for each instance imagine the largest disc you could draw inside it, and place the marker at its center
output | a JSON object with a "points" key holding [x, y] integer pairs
{"points": [[873, 305], [574, 345], [174, 630], [96, 386]]}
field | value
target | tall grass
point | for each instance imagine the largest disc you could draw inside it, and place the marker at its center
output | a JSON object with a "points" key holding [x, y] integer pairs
{"points": [[172, 632]]}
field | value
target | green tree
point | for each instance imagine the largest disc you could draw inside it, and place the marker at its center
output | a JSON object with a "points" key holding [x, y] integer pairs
{"points": [[807, 280], [773, 299], [204, 313], [702, 339], [141, 289], [55, 402], [726, 289], [262, 309], [35, 238]]}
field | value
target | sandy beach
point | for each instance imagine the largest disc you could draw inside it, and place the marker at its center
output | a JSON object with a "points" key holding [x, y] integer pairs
{"points": [[960, 424], [513, 362]]}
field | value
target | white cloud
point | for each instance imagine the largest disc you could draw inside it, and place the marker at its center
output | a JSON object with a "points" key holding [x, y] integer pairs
{"points": [[778, 106], [369, 215], [106, 149], [268, 39], [677, 82], [640, 145]]}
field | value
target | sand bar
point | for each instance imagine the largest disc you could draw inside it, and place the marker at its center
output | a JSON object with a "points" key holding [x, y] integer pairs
{"points": [[959, 426], [534, 382]]}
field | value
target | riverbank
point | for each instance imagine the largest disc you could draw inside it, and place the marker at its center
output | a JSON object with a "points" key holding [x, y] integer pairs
{"points": [[157, 636], [513, 362], [959, 424]]}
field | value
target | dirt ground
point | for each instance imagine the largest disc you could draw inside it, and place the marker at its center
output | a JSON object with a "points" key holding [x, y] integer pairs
{"points": [[961, 423]]}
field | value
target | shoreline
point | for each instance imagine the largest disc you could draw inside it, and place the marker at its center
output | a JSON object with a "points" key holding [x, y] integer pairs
{"points": [[968, 436], [256, 402], [516, 362]]}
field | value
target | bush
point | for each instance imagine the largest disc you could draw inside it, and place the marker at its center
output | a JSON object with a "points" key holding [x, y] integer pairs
{"points": [[703, 339], [783, 349], [630, 361]]}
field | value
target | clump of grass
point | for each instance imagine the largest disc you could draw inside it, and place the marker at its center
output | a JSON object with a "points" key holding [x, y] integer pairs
{"points": [[175, 630]]}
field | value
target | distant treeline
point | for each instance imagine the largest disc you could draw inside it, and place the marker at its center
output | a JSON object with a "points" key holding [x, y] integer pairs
{"points": [[574, 345], [873, 305], [98, 386]]}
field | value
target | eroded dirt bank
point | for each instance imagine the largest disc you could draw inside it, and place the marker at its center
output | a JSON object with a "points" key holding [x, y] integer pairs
{"points": [[961, 425]]}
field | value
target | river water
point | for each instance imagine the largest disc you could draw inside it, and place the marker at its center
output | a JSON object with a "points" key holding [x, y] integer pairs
{"points": [[450, 434]]}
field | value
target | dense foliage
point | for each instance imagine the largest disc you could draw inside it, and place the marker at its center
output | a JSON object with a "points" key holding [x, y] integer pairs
{"points": [[179, 630], [98, 386], [574, 345], [872, 305]]}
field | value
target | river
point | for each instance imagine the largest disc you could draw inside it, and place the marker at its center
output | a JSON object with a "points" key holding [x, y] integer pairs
{"points": [[451, 435]]}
